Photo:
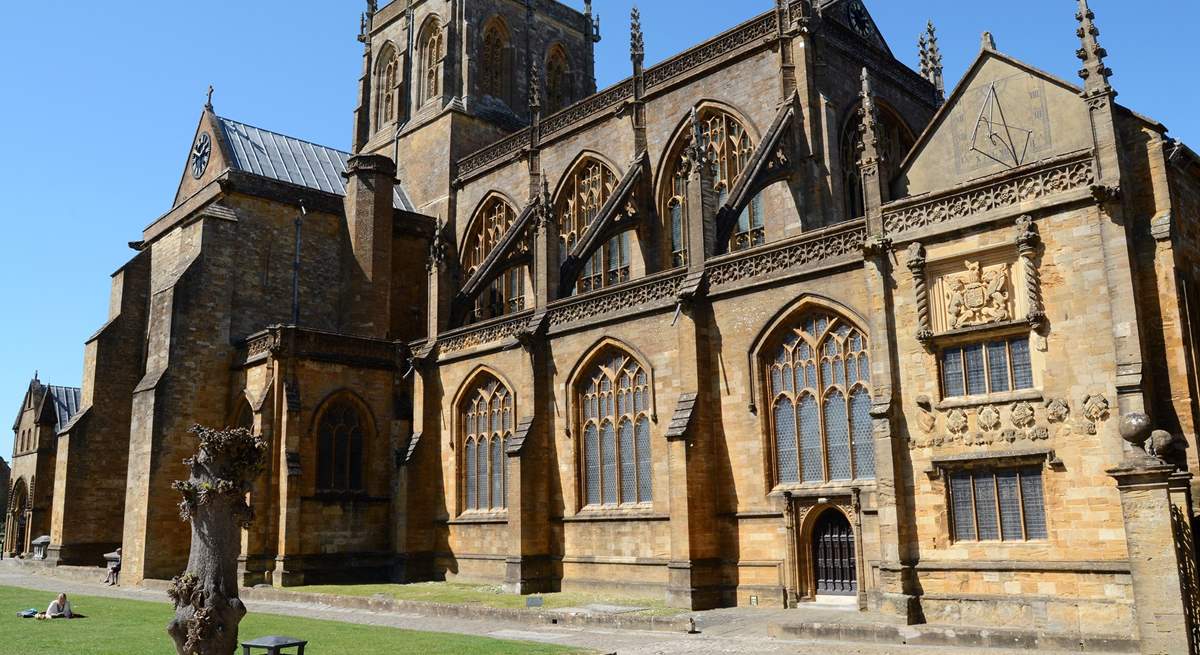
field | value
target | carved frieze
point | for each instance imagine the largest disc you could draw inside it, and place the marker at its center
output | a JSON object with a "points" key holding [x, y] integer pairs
{"points": [[788, 257], [654, 292], [1033, 186], [752, 32], [484, 335], [988, 429]]}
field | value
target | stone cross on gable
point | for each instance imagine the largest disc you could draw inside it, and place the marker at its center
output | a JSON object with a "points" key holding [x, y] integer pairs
{"points": [[208, 103]]}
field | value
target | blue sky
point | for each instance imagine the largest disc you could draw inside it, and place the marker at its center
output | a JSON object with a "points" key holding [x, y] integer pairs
{"points": [[101, 101]]}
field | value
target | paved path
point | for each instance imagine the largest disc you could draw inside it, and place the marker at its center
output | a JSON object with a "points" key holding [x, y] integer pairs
{"points": [[736, 631]]}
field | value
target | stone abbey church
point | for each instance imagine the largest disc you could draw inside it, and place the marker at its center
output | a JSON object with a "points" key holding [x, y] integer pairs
{"points": [[775, 319]]}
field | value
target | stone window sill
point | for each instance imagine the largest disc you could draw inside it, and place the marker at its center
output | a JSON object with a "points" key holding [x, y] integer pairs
{"points": [[488, 518], [630, 513], [959, 402]]}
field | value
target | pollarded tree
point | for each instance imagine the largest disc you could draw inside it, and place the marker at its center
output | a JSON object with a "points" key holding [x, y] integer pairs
{"points": [[207, 608]]}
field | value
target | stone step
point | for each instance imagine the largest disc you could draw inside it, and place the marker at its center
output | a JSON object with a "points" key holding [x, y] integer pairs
{"points": [[947, 635]]}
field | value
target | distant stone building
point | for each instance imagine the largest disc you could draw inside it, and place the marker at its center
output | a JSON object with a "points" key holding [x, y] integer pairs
{"points": [[771, 320], [30, 484]]}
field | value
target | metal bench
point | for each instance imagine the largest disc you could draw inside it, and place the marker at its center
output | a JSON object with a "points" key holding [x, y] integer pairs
{"points": [[274, 645]]}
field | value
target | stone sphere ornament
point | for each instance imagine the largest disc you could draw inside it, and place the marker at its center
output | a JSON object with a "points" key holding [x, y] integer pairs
{"points": [[1135, 429]]}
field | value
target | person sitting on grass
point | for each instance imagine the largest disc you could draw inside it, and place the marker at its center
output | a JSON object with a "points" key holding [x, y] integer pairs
{"points": [[60, 608]]}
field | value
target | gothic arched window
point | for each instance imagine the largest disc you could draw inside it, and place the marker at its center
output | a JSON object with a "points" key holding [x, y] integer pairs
{"points": [[583, 195], [819, 385], [432, 52], [388, 91], [341, 439], [558, 80], [505, 294], [494, 63], [895, 140], [727, 146], [486, 415], [614, 414]]}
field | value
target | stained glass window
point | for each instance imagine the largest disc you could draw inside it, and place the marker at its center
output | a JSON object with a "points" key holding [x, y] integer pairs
{"points": [[1001, 504], [617, 461], [487, 421], [821, 440], [992, 367], [340, 444]]}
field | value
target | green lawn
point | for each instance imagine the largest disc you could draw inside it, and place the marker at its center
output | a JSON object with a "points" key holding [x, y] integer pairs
{"points": [[453, 593], [126, 627]]}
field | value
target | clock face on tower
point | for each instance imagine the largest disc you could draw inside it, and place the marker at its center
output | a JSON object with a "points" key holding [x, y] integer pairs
{"points": [[201, 154], [860, 20]]}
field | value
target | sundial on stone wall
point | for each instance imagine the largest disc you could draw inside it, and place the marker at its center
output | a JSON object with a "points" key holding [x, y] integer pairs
{"points": [[995, 137]]}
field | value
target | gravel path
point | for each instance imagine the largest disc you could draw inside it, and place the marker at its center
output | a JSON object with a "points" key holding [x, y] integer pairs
{"points": [[728, 632]]}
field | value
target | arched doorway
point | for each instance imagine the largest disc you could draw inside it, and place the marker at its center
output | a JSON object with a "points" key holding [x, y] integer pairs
{"points": [[834, 569], [20, 519]]}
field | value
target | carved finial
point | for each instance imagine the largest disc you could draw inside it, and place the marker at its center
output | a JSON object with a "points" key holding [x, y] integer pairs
{"points": [[989, 42], [587, 7], [923, 55], [535, 89], [1094, 73], [869, 140], [372, 7], [208, 103], [933, 55], [695, 151], [637, 42]]}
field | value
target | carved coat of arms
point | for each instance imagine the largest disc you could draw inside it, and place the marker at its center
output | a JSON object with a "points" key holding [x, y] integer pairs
{"points": [[978, 296]]}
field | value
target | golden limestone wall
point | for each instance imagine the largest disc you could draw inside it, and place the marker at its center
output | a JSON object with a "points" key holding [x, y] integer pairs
{"points": [[1075, 579]]}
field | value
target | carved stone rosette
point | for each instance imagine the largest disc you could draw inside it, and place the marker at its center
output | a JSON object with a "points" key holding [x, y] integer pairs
{"points": [[916, 265], [1028, 240]]}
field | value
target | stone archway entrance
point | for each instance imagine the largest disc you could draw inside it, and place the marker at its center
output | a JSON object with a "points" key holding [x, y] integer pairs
{"points": [[19, 521], [832, 554]]}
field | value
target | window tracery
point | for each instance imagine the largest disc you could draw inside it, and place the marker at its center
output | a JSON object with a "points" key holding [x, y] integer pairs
{"points": [[614, 408], [558, 81], [487, 420], [340, 444], [505, 294], [895, 141], [495, 69], [819, 387], [431, 61], [389, 88], [727, 147], [584, 194]]}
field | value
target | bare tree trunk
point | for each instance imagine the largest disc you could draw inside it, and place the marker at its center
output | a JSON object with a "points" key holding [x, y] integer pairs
{"points": [[207, 608]]}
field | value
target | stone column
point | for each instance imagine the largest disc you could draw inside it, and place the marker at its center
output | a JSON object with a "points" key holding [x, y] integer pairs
{"points": [[1146, 505], [1159, 567]]}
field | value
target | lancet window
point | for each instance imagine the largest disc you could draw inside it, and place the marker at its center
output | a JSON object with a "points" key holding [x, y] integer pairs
{"points": [[495, 62], [388, 91], [340, 444], [432, 51], [558, 81]]}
